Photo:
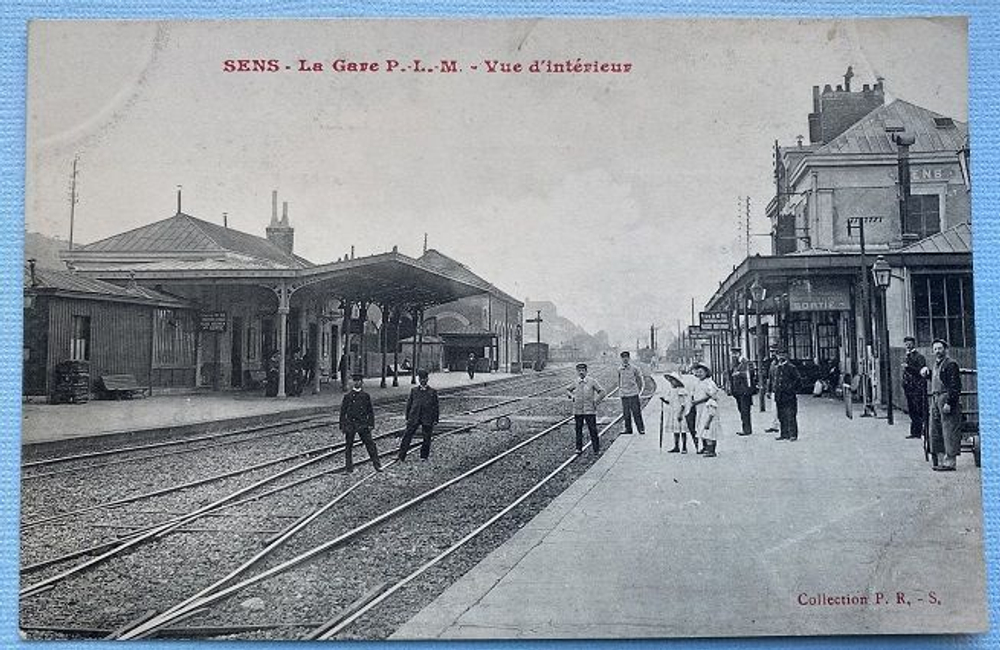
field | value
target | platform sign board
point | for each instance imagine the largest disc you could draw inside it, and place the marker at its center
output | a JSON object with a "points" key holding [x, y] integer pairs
{"points": [[714, 321], [695, 333], [212, 321]]}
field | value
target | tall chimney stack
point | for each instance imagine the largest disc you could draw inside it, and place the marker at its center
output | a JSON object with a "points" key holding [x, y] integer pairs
{"points": [[280, 233]]}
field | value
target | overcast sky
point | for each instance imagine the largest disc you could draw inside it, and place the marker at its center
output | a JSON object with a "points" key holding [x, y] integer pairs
{"points": [[613, 195]]}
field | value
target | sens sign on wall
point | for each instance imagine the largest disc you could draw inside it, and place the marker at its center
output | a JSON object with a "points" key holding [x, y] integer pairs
{"points": [[212, 321]]}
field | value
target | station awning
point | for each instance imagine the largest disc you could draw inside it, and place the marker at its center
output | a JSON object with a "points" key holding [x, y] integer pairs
{"points": [[390, 278]]}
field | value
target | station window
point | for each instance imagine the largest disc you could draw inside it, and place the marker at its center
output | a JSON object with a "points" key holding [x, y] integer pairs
{"points": [[923, 216], [800, 341], [943, 308], [79, 343]]}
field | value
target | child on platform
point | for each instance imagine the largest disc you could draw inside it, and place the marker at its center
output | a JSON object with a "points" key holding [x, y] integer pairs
{"points": [[678, 403]]}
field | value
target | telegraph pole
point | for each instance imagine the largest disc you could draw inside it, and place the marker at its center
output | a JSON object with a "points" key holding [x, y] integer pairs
{"points": [[858, 223], [72, 199]]}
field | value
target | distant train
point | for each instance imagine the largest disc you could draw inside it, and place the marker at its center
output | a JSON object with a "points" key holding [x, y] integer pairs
{"points": [[535, 355]]}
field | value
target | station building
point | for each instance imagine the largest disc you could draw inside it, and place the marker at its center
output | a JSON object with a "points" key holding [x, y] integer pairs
{"points": [[252, 301], [846, 178]]}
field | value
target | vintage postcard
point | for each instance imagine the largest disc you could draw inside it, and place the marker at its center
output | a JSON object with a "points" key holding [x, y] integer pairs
{"points": [[455, 329]]}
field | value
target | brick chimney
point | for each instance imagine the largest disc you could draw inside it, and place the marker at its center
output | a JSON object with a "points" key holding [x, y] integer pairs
{"points": [[836, 110], [280, 233]]}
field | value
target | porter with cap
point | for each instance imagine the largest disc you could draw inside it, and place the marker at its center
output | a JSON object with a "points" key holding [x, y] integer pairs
{"points": [[785, 384], [357, 418], [585, 393], [421, 411], [629, 387]]}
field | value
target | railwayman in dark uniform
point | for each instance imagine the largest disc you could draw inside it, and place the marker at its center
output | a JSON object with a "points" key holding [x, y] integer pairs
{"points": [[357, 417], [946, 411], [785, 384], [915, 387], [421, 411]]}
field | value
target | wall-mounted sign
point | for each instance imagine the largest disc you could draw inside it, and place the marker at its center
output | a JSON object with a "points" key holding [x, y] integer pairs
{"points": [[695, 333], [818, 295], [212, 321], [924, 174], [714, 321]]}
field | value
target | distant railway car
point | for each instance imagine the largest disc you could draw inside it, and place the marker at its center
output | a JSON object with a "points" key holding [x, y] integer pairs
{"points": [[535, 355]]}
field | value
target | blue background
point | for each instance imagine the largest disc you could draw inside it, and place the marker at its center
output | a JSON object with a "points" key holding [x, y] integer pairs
{"points": [[984, 120]]}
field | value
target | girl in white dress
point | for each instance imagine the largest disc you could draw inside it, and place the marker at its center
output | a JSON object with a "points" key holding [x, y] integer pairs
{"points": [[706, 401], [678, 403]]}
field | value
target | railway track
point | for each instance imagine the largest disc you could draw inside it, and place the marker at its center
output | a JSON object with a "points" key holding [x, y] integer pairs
{"points": [[517, 383], [255, 497], [108, 548]]}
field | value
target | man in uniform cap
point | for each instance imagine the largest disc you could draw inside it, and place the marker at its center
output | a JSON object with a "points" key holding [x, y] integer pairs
{"points": [[629, 387], [585, 393], [742, 385], [915, 387], [421, 411], [786, 380], [946, 412], [357, 417]]}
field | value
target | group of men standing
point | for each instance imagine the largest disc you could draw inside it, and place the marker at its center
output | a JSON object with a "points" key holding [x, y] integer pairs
{"points": [[586, 393], [781, 380], [357, 419]]}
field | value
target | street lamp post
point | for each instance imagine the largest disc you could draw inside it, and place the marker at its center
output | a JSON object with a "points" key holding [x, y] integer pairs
{"points": [[758, 291], [882, 275]]}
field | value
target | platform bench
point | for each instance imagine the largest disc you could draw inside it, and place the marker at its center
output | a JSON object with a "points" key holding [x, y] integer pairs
{"points": [[122, 386]]}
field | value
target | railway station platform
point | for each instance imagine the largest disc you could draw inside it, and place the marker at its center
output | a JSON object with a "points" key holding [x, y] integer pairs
{"points": [[180, 413], [769, 538]]}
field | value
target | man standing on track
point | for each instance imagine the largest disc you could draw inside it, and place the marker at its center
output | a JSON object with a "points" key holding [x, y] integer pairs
{"points": [[629, 386], [421, 411], [585, 393], [357, 417], [915, 387]]}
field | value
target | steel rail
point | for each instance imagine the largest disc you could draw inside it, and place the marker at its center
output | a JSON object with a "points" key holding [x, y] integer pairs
{"points": [[300, 524], [331, 631], [176, 452], [214, 436], [318, 425], [158, 530], [167, 443], [165, 619], [328, 632]]}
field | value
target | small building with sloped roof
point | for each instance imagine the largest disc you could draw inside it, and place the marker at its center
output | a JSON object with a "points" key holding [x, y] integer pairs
{"points": [[114, 329]]}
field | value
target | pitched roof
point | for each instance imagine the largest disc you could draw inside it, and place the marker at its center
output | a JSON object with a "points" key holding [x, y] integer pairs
{"points": [[868, 135], [440, 262], [53, 281], [183, 233], [957, 239]]}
